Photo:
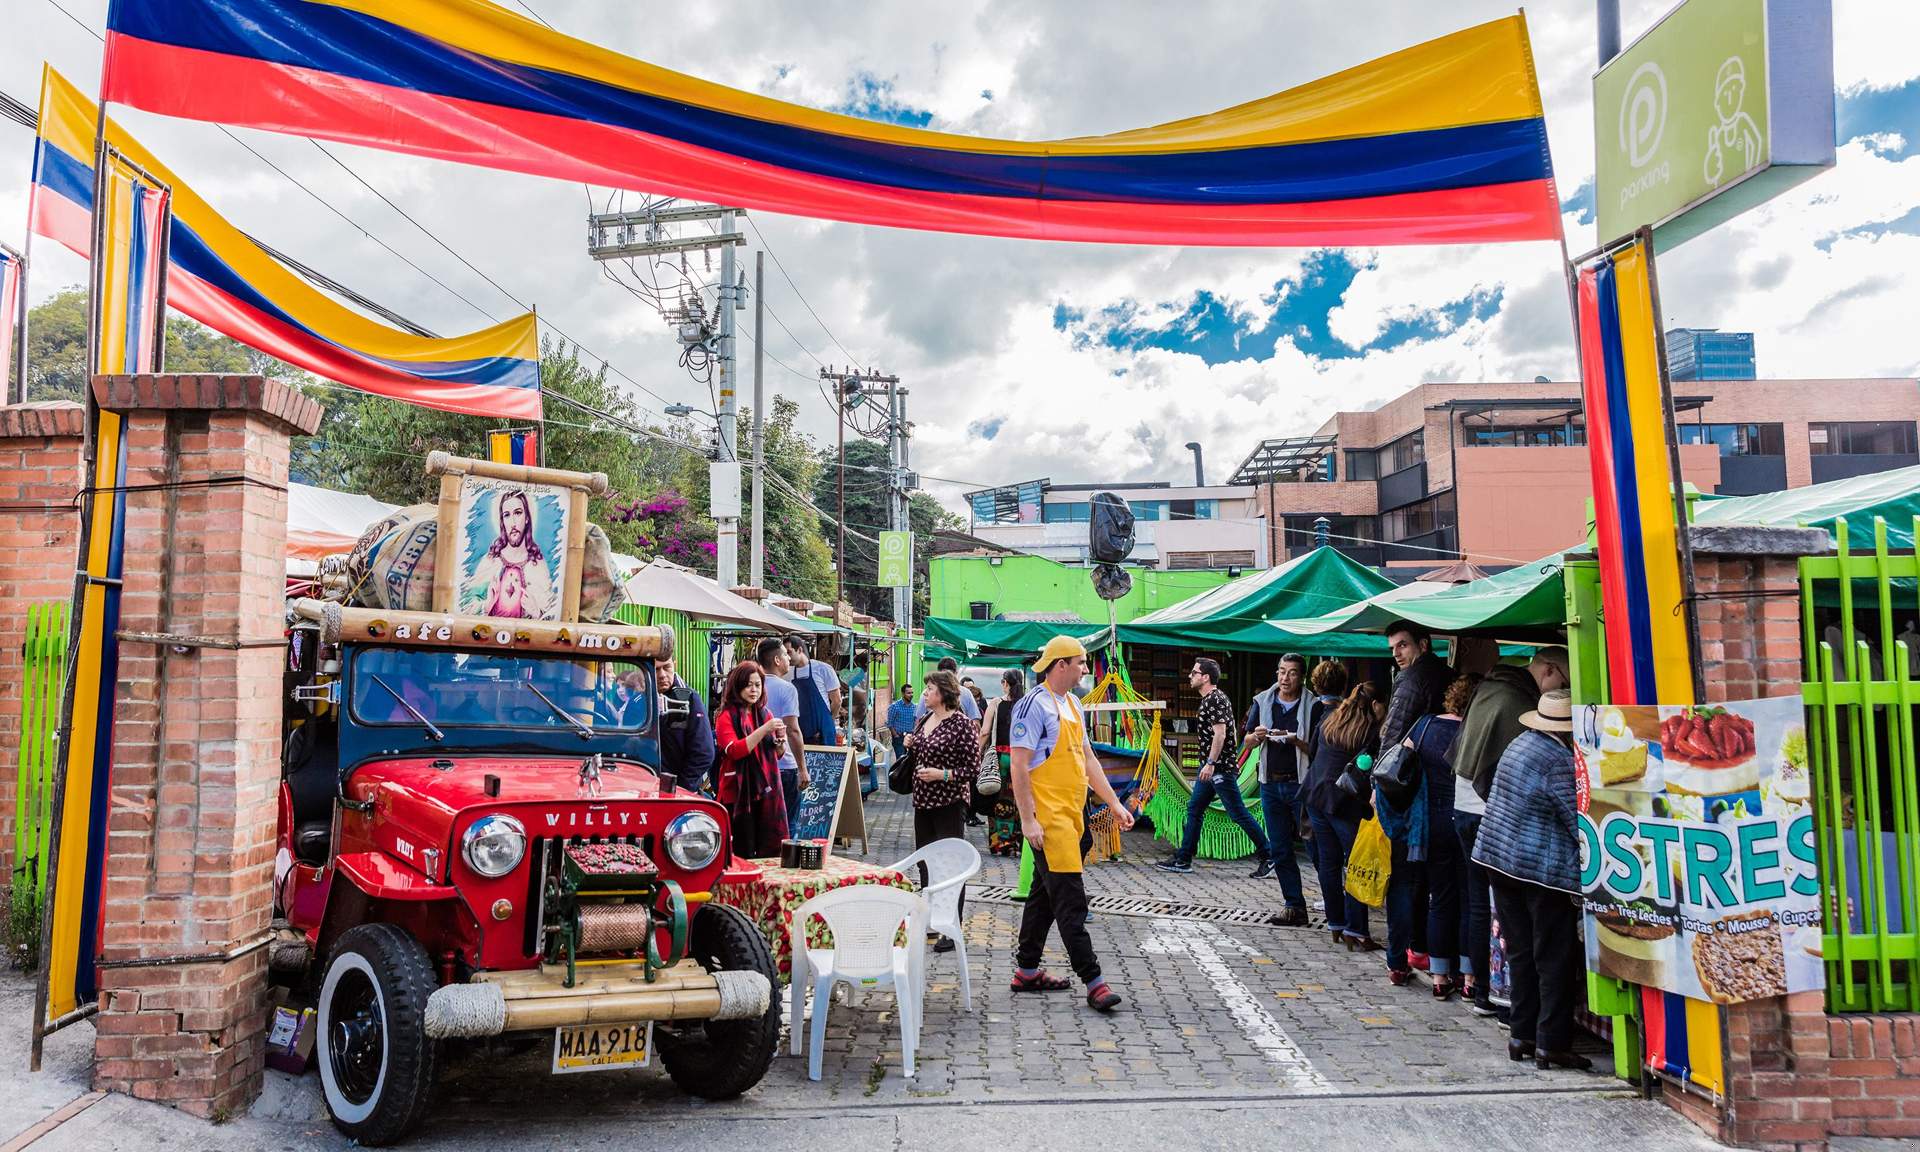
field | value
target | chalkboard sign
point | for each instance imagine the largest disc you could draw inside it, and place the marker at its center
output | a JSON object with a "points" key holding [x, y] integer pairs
{"points": [[824, 812]]}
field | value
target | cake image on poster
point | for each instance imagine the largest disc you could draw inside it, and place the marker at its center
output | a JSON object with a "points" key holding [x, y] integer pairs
{"points": [[1634, 940], [1619, 746], [1743, 958], [1709, 751]]}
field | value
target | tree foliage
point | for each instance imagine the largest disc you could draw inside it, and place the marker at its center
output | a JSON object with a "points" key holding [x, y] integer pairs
{"points": [[658, 505], [57, 349], [866, 496]]}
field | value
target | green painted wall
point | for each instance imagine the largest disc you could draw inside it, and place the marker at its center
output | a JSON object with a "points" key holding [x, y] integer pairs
{"points": [[1036, 584]]}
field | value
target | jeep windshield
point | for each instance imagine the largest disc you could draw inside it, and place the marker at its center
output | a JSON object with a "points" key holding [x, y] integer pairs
{"points": [[437, 688]]}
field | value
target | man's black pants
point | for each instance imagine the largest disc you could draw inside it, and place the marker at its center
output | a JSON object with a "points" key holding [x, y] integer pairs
{"points": [[1541, 929], [1058, 899]]}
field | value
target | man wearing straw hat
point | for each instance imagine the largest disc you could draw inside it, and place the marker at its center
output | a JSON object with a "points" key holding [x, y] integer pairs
{"points": [[1053, 766]]}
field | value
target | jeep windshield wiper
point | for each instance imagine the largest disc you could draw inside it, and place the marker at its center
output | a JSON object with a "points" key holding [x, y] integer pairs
{"points": [[579, 725], [432, 732]]}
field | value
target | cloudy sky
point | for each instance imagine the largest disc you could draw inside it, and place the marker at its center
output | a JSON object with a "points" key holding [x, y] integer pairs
{"points": [[1077, 362]]}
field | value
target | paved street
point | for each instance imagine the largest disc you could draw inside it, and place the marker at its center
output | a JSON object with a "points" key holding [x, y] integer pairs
{"points": [[1230, 1031]]}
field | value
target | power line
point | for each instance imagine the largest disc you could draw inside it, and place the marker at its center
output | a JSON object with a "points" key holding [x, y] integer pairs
{"points": [[796, 291]]}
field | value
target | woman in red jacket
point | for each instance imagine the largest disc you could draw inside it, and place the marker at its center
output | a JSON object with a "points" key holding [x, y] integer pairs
{"points": [[747, 738]]}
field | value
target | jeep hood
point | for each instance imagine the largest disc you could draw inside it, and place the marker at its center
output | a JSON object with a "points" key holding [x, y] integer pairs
{"points": [[425, 795]]}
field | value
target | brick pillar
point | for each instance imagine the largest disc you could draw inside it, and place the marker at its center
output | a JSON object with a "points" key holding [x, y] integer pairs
{"points": [[39, 526], [1779, 1093], [196, 737]]}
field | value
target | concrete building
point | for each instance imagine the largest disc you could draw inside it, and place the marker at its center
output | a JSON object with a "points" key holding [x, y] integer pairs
{"points": [[1497, 473], [1710, 354], [1177, 528]]}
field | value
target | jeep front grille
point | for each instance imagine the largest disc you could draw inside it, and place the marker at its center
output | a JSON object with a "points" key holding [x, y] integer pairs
{"points": [[543, 857]]}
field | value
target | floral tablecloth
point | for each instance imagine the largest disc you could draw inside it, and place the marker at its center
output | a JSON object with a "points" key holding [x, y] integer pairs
{"points": [[771, 898]]}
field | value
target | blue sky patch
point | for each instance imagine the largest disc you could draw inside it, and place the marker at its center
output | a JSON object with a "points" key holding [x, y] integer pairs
{"points": [[871, 98], [1209, 329], [1870, 111], [986, 429], [1580, 202]]}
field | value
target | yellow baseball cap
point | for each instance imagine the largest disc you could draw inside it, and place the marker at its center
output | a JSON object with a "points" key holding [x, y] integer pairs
{"points": [[1058, 648]]}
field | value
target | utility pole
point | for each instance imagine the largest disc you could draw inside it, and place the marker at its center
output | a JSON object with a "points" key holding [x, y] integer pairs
{"points": [[851, 388], [757, 549], [727, 551], [643, 233]]}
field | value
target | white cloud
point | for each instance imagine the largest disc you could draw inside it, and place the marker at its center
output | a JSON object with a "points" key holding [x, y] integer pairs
{"points": [[967, 322]]}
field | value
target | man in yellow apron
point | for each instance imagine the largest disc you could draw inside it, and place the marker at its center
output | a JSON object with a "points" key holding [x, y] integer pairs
{"points": [[1053, 765]]}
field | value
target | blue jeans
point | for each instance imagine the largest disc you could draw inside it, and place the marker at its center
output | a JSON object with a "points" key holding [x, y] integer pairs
{"points": [[1332, 840], [1277, 800], [1477, 913], [790, 788], [1225, 785], [1406, 908], [1446, 887]]}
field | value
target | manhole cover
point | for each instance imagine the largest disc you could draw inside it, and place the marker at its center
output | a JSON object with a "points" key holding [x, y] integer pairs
{"points": [[1148, 906]]}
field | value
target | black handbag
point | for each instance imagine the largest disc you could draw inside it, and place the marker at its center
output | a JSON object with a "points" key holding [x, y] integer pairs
{"points": [[1397, 772], [900, 776]]}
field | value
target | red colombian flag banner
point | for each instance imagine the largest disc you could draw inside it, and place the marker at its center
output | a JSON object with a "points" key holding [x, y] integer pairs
{"points": [[1649, 657], [1440, 143]]}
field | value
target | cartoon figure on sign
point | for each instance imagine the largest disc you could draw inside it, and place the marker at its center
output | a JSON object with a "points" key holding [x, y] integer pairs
{"points": [[1736, 137], [512, 578]]}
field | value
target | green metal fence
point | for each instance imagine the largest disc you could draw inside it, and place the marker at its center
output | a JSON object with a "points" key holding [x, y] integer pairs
{"points": [[42, 681], [1860, 695], [691, 659]]}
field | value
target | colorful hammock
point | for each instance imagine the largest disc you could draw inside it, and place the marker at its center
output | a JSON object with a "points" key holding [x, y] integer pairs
{"points": [[1132, 733]]}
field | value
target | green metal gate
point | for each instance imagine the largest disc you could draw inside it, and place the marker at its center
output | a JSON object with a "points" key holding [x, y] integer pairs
{"points": [[1860, 696], [43, 680]]}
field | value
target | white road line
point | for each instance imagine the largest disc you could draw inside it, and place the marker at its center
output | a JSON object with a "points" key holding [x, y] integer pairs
{"points": [[1201, 942]]}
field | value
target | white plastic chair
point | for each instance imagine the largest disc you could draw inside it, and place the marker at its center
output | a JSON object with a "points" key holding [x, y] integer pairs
{"points": [[864, 919], [950, 864]]}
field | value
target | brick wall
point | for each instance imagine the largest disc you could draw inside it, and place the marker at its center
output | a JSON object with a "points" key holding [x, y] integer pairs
{"points": [[1795, 1076], [39, 526], [196, 738]]}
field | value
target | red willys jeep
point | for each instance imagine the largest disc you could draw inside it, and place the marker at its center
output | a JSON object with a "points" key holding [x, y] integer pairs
{"points": [[474, 841]]}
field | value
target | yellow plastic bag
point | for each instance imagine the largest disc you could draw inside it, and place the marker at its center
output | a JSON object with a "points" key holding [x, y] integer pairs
{"points": [[1369, 864]]}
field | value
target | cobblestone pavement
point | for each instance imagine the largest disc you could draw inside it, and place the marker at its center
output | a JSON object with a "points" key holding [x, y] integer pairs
{"points": [[1216, 1009], [1229, 1033]]}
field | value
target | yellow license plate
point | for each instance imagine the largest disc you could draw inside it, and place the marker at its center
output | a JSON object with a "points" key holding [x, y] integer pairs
{"points": [[599, 1048]]}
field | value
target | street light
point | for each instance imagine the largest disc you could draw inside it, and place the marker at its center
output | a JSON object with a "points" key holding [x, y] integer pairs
{"points": [[686, 410]]}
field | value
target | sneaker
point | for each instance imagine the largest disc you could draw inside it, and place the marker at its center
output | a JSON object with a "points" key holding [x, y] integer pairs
{"points": [[1174, 864], [1417, 960], [1481, 1006], [1262, 872], [1398, 977], [1101, 998]]}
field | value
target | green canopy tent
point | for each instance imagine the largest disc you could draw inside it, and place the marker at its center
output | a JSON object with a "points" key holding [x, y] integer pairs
{"points": [[994, 642], [1893, 495], [1234, 617], [1523, 603]]}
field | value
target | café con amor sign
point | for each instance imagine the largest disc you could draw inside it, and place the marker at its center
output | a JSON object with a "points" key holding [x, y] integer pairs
{"points": [[436, 629], [1699, 869]]}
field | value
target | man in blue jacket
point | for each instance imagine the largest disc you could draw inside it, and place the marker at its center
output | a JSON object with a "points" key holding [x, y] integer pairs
{"points": [[686, 739]]}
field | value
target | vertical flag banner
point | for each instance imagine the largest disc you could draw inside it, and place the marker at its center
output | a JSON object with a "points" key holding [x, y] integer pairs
{"points": [[222, 278], [1650, 659], [127, 326], [1640, 585], [514, 446], [12, 273], [1440, 143]]}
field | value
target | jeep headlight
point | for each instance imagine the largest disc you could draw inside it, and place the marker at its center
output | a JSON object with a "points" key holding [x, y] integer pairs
{"points": [[693, 840], [494, 845]]}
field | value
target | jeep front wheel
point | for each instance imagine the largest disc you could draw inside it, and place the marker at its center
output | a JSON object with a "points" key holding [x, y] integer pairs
{"points": [[377, 1064], [719, 1059]]}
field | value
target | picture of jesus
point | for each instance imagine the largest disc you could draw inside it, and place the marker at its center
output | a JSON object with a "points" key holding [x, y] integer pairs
{"points": [[512, 577]]}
